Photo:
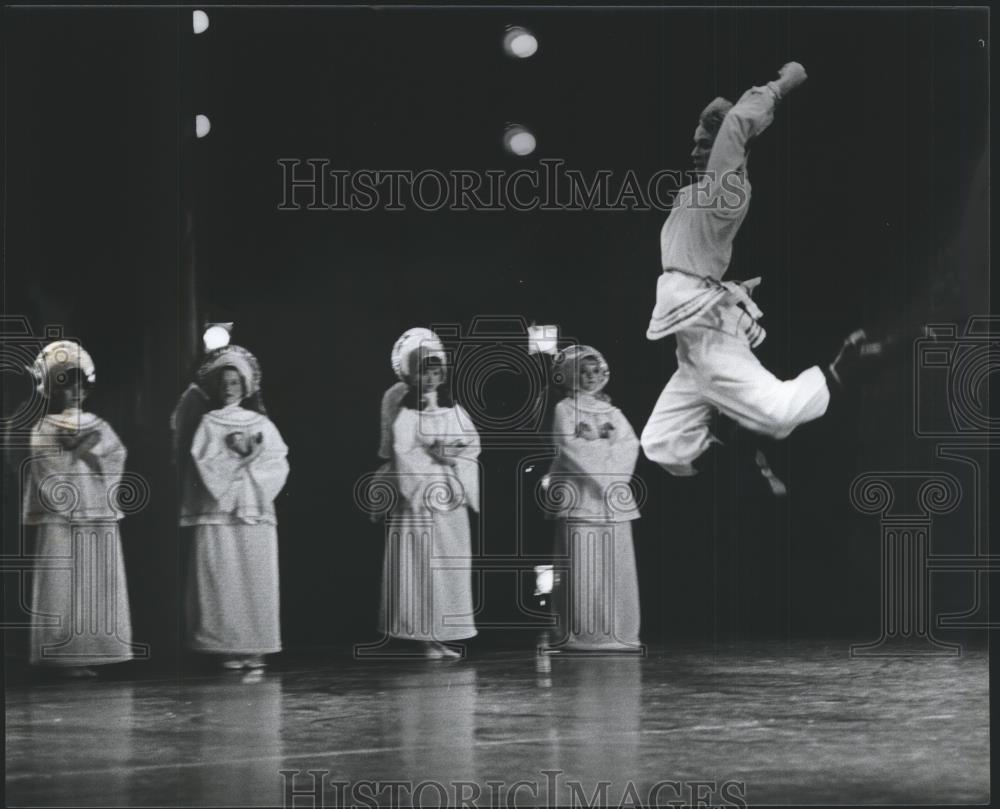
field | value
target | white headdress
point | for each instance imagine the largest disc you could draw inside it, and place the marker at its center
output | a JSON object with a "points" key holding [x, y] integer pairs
{"points": [[412, 347], [54, 363], [232, 356], [566, 367]]}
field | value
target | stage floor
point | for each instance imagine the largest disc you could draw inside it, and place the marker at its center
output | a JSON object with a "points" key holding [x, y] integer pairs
{"points": [[773, 723]]}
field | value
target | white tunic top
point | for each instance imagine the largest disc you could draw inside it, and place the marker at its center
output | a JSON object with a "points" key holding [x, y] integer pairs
{"points": [[696, 240], [589, 479], [230, 488], [76, 463], [425, 484]]}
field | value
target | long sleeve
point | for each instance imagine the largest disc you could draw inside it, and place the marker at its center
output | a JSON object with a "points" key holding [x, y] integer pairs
{"points": [[100, 452], [466, 463], [590, 476], [218, 466], [750, 116], [238, 488], [392, 400], [724, 192], [268, 470], [421, 479], [624, 445], [697, 237], [74, 484], [414, 464], [577, 454]]}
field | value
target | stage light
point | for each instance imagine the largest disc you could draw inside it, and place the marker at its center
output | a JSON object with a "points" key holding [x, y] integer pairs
{"points": [[216, 335], [199, 21], [202, 126], [518, 140], [519, 42], [542, 339]]}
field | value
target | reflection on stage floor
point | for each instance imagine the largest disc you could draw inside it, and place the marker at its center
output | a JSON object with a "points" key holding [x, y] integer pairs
{"points": [[762, 723]]}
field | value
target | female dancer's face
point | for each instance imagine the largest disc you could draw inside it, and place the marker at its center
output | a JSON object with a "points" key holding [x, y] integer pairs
{"points": [[431, 379], [230, 386], [590, 376]]}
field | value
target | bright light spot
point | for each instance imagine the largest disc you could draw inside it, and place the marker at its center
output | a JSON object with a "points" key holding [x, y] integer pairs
{"points": [[542, 339], [520, 42], [199, 21], [202, 126], [215, 337], [543, 580], [519, 140]]}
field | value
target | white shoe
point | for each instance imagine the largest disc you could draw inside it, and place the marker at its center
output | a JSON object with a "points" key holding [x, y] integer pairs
{"points": [[79, 673], [778, 488], [860, 358], [448, 652]]}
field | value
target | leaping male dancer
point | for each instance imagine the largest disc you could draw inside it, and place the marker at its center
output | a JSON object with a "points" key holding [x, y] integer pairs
{"points": [[715, 321]]}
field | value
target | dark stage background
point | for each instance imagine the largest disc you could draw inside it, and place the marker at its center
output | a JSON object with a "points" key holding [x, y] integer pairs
{"points": [[869, 209]]}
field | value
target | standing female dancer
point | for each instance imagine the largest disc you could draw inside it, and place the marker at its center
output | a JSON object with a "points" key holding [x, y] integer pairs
{"points": [[426, 574], [589, 496], [240, 466], [79, 600]]}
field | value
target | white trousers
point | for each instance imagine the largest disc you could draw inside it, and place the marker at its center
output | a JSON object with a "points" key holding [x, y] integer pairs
{"points": [[718, 371]]}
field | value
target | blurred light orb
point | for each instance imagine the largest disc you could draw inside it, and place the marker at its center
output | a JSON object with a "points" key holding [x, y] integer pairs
{"points": [[215, 337], [202, 126], [518, 140], [199, 21], [519, 42], [544, 579]]}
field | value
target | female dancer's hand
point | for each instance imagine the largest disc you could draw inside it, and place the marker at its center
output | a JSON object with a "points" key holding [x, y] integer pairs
{"points": [[255, 445], [790, 76], [247, 447], [68, 439], [240, 444], [79, 444], [438, 452], [235, 443]]}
